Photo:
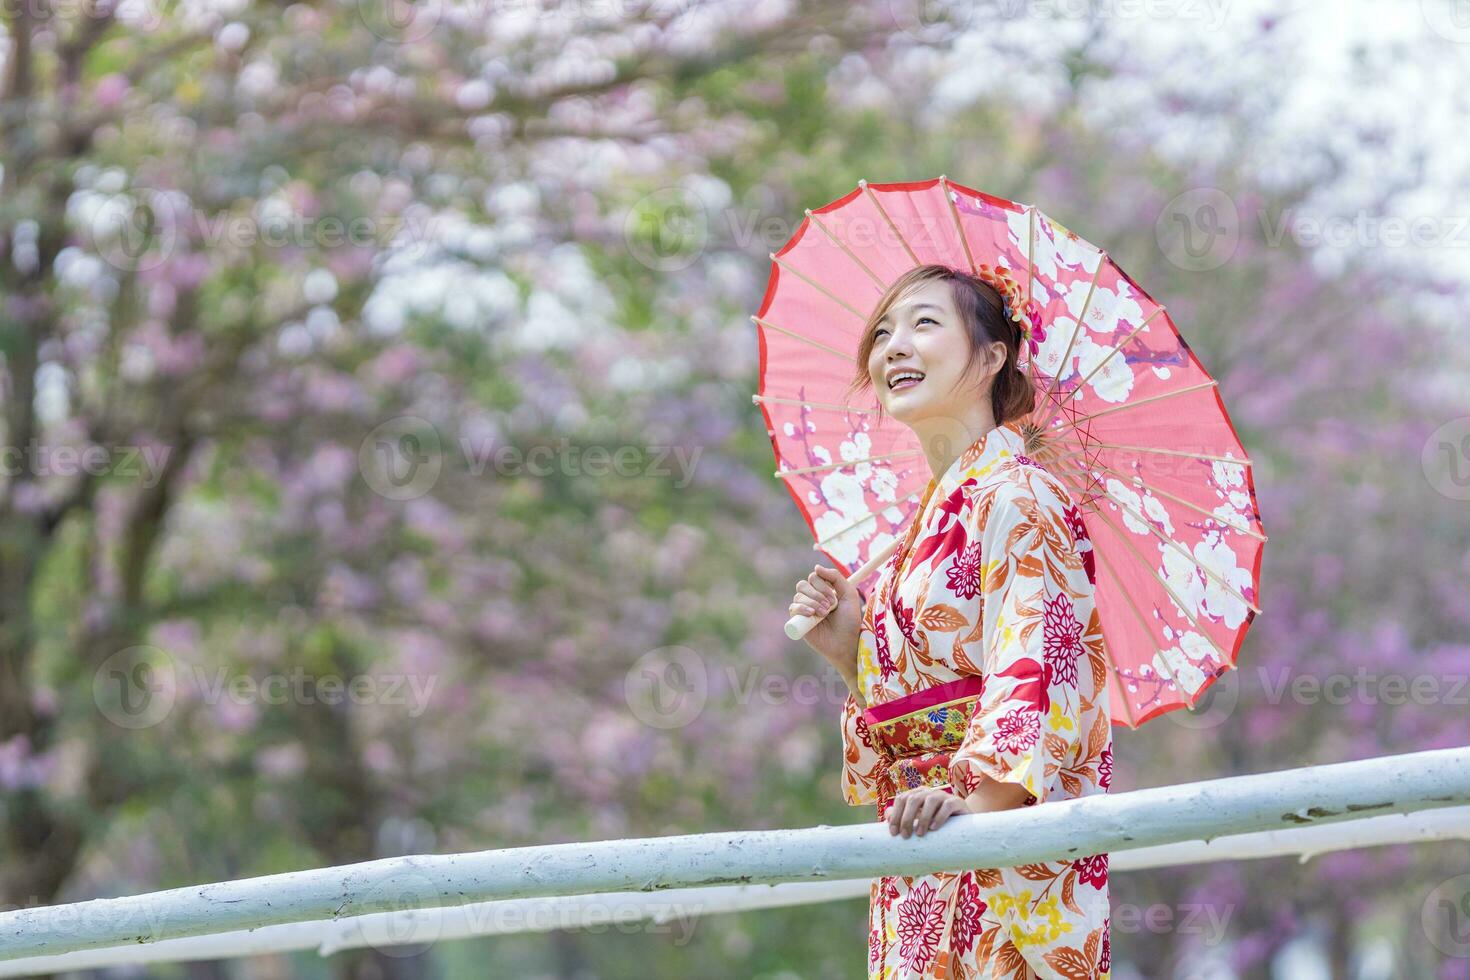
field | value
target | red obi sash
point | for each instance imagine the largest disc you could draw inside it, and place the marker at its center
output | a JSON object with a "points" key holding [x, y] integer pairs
{"points": [[917, 732], [934, 718]]}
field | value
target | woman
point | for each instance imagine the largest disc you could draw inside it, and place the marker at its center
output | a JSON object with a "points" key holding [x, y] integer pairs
{"points": [[977, 667]]}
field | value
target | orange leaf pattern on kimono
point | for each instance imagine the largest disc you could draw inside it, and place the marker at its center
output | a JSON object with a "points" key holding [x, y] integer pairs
{"points": [[981, 656]]}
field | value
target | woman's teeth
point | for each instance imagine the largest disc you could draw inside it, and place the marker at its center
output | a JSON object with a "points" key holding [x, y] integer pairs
{"points": [[904, 381]]}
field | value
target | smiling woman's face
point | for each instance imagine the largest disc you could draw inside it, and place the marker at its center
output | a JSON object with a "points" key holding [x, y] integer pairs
{"points": [[924, 336]]}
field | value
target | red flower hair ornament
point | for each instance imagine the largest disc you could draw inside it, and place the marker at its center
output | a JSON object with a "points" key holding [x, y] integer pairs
{"points": [[1018, 306]]}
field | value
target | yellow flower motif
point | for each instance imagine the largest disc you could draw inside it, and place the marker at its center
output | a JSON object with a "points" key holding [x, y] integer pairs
{"points": [[1006, 902], [867, 665], [1048, 931], [1060, 720]]}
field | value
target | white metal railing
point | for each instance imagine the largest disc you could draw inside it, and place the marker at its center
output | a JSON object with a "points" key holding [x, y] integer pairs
{"points": [[674, 910], [1122, 822]]}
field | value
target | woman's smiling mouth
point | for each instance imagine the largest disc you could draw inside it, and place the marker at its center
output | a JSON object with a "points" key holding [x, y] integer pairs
{"points": [[900, 380]]}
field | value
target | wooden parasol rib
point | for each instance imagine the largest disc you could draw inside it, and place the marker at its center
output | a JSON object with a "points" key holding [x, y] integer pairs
{"points": [[1108, 357], [772, 399], [850, 254], [1139, 481], [1072, 423], [1053, 389], [847, 462], [1168, 670], [817, 286], [801, 337], [1030, 278], [1142, 560], [881, 210], [1241, 460], [869, 516], [1181, 549], [1143, 623], [955, 214]]}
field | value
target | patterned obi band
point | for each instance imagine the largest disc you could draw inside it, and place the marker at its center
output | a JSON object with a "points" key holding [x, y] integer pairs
{"points": [[918, 731]]}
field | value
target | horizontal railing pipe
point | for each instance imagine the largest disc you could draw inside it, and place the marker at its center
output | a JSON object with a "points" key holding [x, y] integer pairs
{"points": [[1052, 831], [673, 910]]}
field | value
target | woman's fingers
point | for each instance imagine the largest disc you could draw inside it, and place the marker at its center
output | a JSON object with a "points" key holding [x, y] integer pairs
{"points": [[805, 609], [929, 811], [918, 811], [949, 805], [818, 604], [905, 811], [819, 589], [810, 591], [897, 823], [831, 580]]}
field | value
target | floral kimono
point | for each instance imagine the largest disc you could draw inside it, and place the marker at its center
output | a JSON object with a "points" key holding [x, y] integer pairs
{"points": [[981, 655]]}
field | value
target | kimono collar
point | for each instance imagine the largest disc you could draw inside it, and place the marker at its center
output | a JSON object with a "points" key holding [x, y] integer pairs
{"points": [[979, 460], [982, 457]]}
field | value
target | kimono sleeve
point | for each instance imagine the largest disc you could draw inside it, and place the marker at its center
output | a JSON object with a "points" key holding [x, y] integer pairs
{"points": [[864, 772], [865, 776], [1026, 725]]}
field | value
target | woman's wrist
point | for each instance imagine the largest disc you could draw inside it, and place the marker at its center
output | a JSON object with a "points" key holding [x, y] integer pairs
{"points": [[850, 675], [991, 797]]}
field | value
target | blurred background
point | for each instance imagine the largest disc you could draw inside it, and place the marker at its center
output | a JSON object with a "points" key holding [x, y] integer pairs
{"points": [[378, 429]]}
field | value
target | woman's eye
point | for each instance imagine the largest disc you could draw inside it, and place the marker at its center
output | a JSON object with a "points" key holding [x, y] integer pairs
{"points": [[925, 319], [879, 332]]}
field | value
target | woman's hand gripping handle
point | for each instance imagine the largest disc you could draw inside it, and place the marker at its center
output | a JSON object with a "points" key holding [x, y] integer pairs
{"points": [[827, 612]]}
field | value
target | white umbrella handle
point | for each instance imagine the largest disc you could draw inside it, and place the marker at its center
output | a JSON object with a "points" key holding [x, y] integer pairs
{"points": [[798, 626]]}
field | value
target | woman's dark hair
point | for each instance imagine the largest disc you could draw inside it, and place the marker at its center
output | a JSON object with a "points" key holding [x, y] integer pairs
{"points": [[981, 309]]}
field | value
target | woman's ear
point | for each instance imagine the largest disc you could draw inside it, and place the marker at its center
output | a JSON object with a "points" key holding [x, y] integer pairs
{"points": [[998, 356]]}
